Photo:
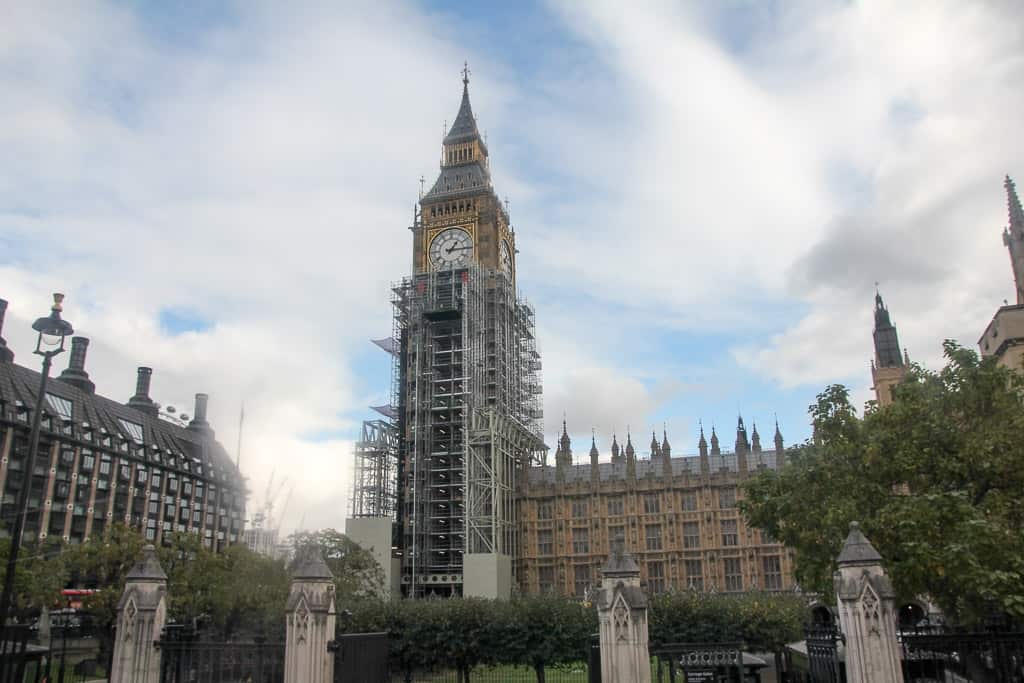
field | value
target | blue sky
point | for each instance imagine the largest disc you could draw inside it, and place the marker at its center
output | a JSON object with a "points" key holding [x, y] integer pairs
{"points": [[704, 195]]}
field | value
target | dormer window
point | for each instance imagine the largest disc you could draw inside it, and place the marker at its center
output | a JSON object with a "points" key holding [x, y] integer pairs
{"points": [[60, 406], [133, 429]]}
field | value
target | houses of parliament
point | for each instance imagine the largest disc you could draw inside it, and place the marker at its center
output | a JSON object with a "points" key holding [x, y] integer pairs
{"points": [[454, 491]]}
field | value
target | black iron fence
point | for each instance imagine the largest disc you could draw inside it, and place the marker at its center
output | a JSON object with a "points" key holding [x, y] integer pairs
{"points": [[936, 653], [823, 654], [186, 657], [14, 654], [499, 674]]}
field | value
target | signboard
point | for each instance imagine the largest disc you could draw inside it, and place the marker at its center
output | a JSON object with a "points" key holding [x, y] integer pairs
{"points": [[700, 675]]}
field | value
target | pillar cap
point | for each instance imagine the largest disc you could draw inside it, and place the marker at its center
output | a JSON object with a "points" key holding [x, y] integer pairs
{"points": [[148, 567], [310, 565], [858, 549]]}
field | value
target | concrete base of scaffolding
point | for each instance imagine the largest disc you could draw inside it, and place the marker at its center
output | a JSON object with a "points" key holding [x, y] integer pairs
{"points": [[374, 534], [487, 575]]}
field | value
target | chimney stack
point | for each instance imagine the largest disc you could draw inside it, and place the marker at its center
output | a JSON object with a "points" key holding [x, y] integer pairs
{"points": [[141, 400], [199, 423], [75, 374], [6, 355]]}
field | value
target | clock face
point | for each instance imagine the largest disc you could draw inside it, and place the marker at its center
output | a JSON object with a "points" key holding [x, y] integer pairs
{"points": [[506, 257], [451, 248]]}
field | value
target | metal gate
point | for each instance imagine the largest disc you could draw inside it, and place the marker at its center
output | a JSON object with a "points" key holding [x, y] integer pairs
{"points": [[187, 658], [360, 658], [13, 653], [823, 654], [693, 662], [935, 653]]}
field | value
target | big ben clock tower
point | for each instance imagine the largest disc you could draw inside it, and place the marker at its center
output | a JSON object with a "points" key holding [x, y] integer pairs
{"points": [[468, 389]]}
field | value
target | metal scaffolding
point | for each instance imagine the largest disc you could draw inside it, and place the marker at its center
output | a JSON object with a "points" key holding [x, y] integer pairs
{"points": [[376, 466], [469, 418]]}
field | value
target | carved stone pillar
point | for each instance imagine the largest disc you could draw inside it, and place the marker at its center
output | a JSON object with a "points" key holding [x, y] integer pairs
{"points": [[310, 622], [622, 612], [867, 613], [141, 615]]}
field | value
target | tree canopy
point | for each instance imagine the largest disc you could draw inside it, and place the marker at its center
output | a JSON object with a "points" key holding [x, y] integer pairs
{"points": [[935, 479], [357, 575]]}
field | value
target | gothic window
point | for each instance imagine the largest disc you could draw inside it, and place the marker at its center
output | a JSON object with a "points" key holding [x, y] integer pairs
{"points": [[655, 577], [545, 542], [730, 535], [691, 534], [652, 504], [690, 501], [580, 508], [733, 574], [615, 506], [616, 531], [545, 510], [581, 579], [546, 579], [694, 575], [727, 499], [653, 536], [772, 573], [580, 540]]}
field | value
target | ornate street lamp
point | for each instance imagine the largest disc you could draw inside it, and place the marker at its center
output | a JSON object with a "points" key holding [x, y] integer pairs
{"points": [[52, 333]]}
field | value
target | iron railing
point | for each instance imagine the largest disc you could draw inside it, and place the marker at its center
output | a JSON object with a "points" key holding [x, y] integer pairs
{"points": [[185, 657], [13, 653], [938, 653], [823, 654], [676, 662]]}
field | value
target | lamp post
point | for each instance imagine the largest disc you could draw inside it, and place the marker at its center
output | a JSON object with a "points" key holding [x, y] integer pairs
{"points": [[52, 332]]}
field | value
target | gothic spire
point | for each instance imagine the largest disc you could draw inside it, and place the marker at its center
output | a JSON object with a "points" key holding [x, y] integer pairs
{"points": [[741, 435], [630, 451], [887, 342], [666, 449], [755, 439], [1013, 203], [1013, 237], [703, 443], [715, 450], [615, 448], [655, 446], [464, 129], [593, 447]]}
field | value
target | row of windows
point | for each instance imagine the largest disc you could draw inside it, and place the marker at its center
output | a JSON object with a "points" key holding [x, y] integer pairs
{"points": [[652, 536], [732, 572], [615, 505]]}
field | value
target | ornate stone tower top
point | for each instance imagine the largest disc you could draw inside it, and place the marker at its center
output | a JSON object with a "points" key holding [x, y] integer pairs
{"points": [[888, 368], [887, 343], [1013, 236]]}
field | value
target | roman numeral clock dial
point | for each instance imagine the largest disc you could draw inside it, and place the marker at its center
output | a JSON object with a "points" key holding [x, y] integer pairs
{"points": [[451, 248]]}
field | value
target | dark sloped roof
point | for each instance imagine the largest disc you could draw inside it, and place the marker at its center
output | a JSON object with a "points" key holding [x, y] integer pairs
{"points": [[858, 549], [464, 129], [458, 179], [18, 386]]}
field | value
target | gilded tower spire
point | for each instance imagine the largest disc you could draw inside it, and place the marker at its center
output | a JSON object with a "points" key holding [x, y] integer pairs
{"points": [[1013, 236]]}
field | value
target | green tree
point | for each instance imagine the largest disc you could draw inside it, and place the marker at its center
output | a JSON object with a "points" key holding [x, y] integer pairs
{"points": [[546, 630], [935, 479], [357, 575], [38, 577]]}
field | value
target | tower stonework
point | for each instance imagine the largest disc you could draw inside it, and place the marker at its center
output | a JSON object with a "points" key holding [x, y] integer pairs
{"points": [[468, 389], [1004, 336], [888, 368]]}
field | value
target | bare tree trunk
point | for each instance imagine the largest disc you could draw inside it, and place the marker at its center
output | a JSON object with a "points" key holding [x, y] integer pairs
{"points": [[541, 674]]}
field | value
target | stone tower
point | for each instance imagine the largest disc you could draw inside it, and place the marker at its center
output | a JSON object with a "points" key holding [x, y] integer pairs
{"points": [[888, 367], [1004, 336], [468, 389]]}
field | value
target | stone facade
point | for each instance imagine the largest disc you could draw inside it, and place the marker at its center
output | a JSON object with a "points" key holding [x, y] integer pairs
{"points": [[867, 613], [311, 621], [141, 616], [622, 617], [678, 516]]}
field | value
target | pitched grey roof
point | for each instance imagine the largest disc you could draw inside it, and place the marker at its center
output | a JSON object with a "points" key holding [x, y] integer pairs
{"points": [[858, 549], [193, 451], [464, 128], [458, 179], [147, 568]]}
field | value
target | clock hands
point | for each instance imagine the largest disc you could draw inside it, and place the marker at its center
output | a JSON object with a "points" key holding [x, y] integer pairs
{"points": [[455, 248]]}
